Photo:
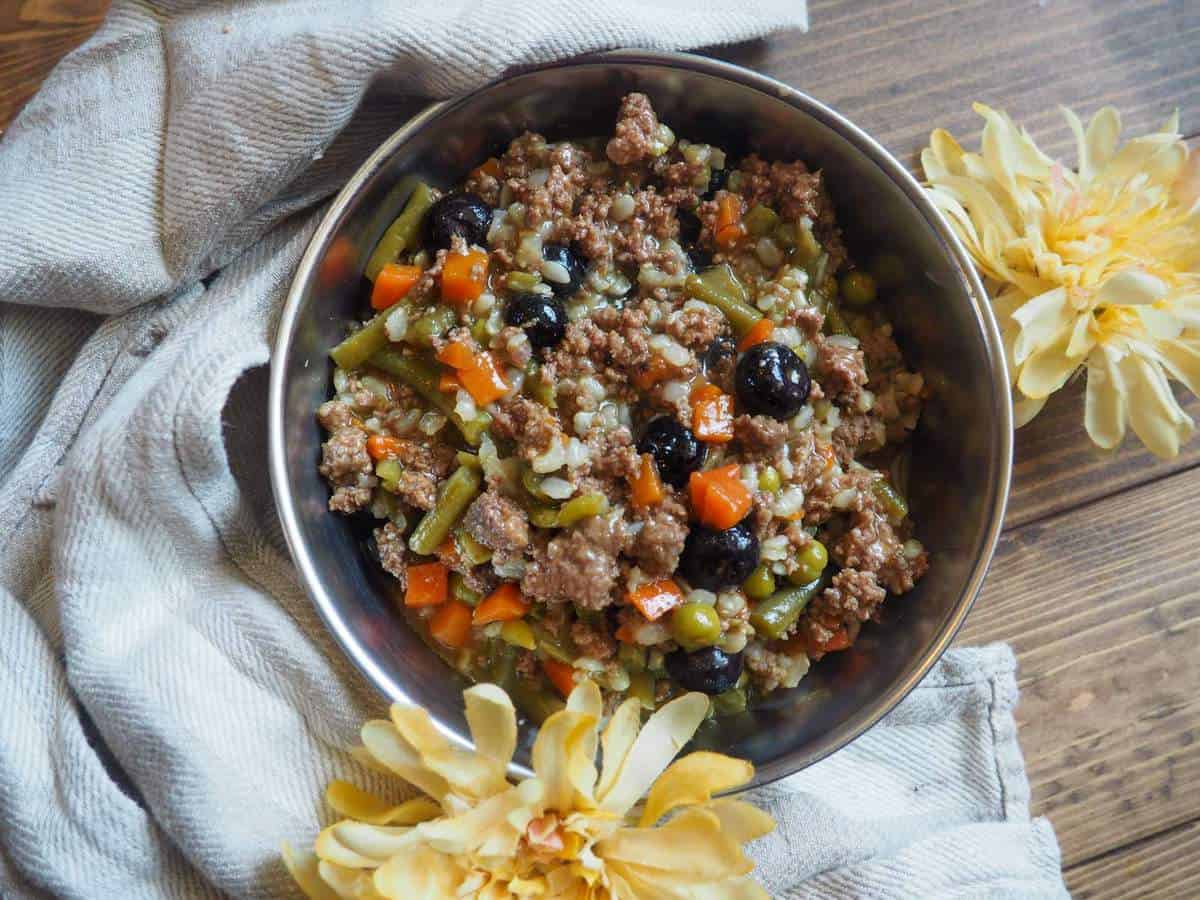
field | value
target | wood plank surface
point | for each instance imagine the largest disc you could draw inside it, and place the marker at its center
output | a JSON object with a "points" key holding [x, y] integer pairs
{"points": [[1094, 582], [1164, 867], [1102, 605]]}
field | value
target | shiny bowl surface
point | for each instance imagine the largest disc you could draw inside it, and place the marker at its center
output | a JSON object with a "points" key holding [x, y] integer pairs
{"points": [[962, 448]]}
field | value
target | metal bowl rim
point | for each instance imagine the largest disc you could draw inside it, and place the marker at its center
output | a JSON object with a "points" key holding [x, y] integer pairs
{"points": [[1001, 458]]}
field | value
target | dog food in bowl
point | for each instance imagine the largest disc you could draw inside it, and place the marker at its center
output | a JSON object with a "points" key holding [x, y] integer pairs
{"points": [[623, 408]]}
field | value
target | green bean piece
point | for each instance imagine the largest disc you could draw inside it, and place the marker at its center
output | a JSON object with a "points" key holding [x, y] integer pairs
{"points": [[719, 286], [433, 323], [468, 459], [632, 657], [360, 346], [458, 587], [785, 236], [893, 503], [388, 471], [731, 702], [473, 552], [769, 480], [544, 392], [760, 584], [519, 634], [858, 288], [643, 687], [774, 617], [521, 282], [834, 321], [435, 526], [422, 376], [581, 507], [536, 702], [810, 563], [760, 221], [402, 233], [479, 331], [553, 646], [695, 625], [502, 666], [808, 250]]}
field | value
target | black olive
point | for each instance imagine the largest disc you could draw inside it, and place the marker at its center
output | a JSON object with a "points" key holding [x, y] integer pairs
{"points": [[689, 227], [463, 214], [542, 316], [570, 261], [716, 181], [676, 452], [718, 354], [715, 560], [700, 258], [709, 669], [772, 380]]}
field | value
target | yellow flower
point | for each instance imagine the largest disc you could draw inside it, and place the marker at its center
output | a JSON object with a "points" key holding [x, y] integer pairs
{"points": [[568, 832], [1097, 268]]}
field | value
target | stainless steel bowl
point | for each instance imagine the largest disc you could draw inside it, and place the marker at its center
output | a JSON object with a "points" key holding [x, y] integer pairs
{"points": [[963, 447]]}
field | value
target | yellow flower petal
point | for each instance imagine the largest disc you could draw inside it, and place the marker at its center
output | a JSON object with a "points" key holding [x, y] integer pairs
{"points": [[467, 772], [1047, 370], [356, 845], [304, 870], [693, 779], [1043, 320], [350, 884], [741, 822], [493, 722], [1104, 403], [419, 873], [1131, 288], [617, 741], [354, 803], [1182, 359], [385, 744], [662, 737], [558, 758], [690, 846], [484, 829], [1154, 414], [1025, 409]]}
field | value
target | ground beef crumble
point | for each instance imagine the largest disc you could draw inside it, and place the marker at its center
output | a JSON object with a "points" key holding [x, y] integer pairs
{"points": [[841, 370], [578, 565], [499, 523], [347, 466], [657, 546], [635, 131]]}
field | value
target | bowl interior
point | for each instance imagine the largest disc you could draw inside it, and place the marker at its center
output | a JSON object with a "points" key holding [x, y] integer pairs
{"points": [[961, 449]]}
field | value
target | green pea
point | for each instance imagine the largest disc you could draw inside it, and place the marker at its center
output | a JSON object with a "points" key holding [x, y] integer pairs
{"points": [[696, 625], [769, 480], [760, 221], [632, 657], [518, 633], [760, 584], [858, 288], [458, 587], [807, 247], [811, 562]]}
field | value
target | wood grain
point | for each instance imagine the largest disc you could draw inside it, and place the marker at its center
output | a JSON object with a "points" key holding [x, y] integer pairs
{"points": [[1102, 605], [1164, 867], [34, 36]]}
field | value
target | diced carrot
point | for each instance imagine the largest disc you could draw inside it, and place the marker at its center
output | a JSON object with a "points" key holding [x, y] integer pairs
{"points": [[712, 414], [464, 276], [624, 633], [839, 641], [646, 488], [503, 604], [457, 355], [656, 598], [561, 675], [448, 383], [484, 380], [383, 446], [718, 497], [428, 585], [658, 369], [729, 228], [759, 332], [392, 283], [490, 167], [451, 624]]}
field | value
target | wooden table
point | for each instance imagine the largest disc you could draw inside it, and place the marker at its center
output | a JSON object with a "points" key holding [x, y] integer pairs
{"points": [[1095, 582]]}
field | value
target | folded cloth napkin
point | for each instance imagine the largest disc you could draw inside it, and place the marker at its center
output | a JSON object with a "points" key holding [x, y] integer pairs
{"points": [[172, 707]]}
